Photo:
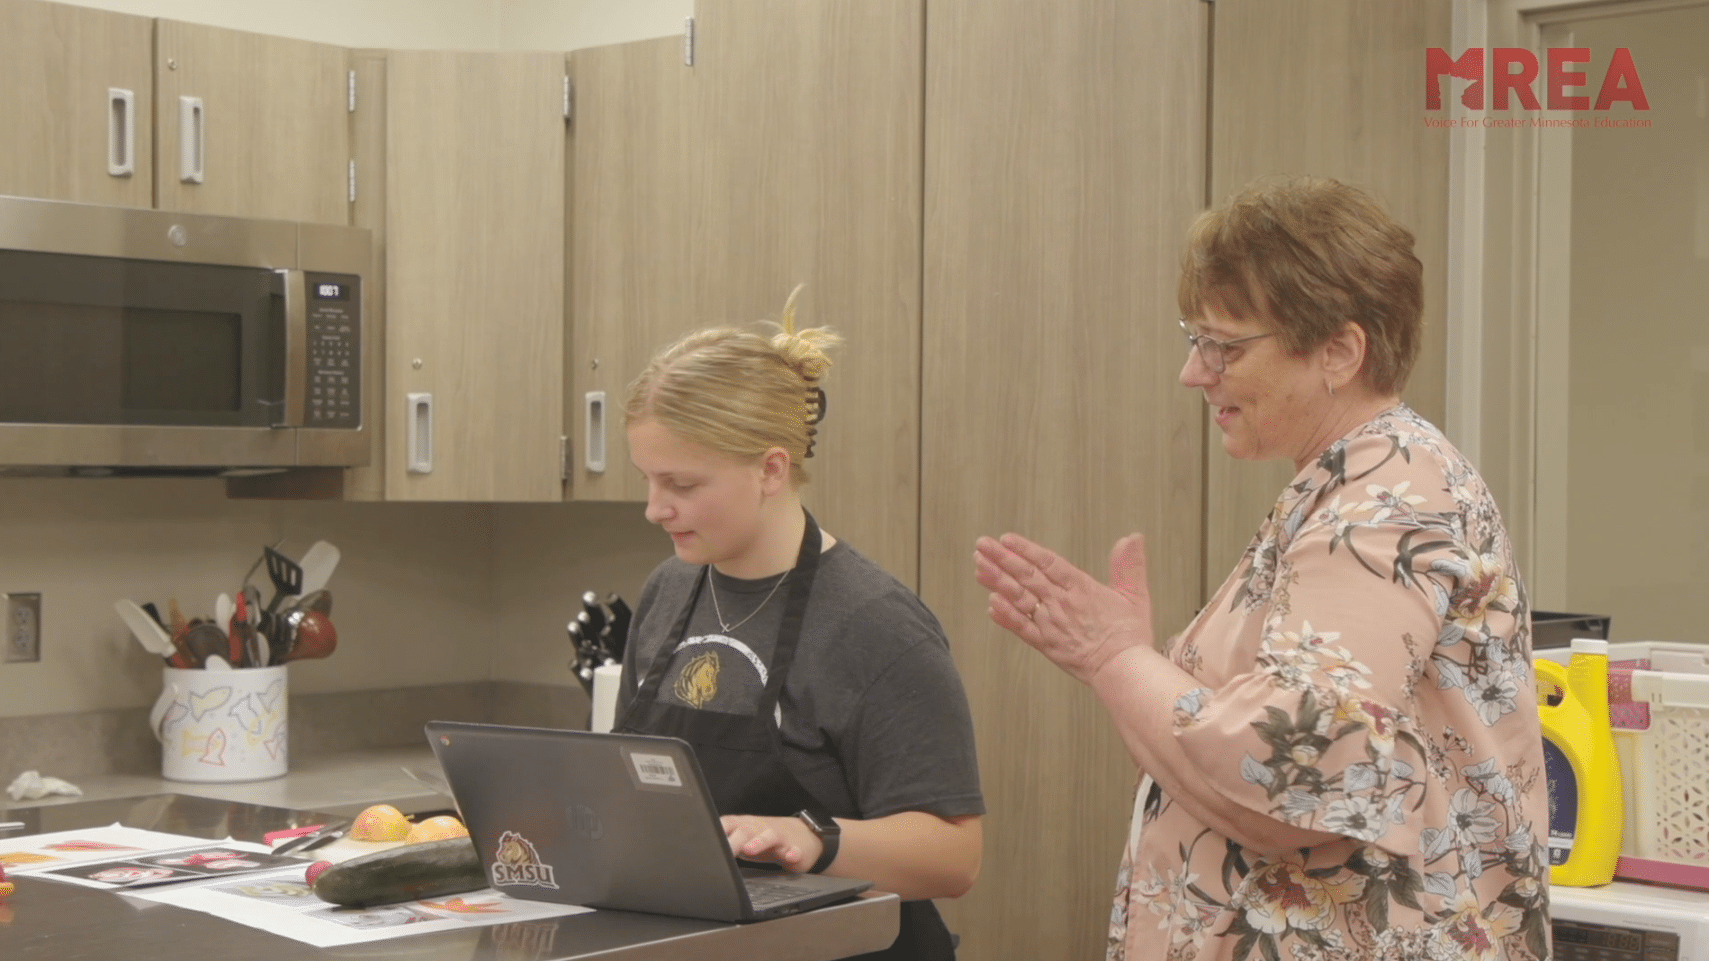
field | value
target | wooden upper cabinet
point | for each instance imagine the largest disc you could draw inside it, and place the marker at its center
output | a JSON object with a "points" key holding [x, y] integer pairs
{"points": [[73, 81], [630, 165], [474, 276], [789, 153], [251, 125]]}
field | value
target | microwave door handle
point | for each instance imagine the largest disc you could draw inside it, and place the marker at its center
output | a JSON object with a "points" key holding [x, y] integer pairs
{"points": [[296, 345]]}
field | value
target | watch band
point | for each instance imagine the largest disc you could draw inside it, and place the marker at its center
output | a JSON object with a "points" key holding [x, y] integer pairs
{"points": [[830, 835]]}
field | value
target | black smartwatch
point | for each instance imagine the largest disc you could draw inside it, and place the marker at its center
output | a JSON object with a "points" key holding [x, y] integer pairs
{"points": [[830, 835]]}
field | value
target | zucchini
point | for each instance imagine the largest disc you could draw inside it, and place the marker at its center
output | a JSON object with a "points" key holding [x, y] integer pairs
{"points": [[430, 869]]}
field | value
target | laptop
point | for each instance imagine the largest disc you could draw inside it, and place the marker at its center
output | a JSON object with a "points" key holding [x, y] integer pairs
{"points": [[621, 821]]}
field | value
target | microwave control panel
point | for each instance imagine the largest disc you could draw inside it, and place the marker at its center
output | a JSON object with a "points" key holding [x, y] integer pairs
{"points": [[334, 395]]}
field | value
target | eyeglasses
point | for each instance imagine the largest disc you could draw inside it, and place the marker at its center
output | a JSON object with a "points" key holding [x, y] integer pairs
{"points": [[1215, 352]]}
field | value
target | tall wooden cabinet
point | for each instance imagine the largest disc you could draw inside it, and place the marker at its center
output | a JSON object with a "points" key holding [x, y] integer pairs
{"points": [[474, 275], [789, 152], [76, 104], [1056, 196]]}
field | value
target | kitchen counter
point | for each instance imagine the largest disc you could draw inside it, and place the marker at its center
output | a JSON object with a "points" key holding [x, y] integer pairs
{"points": [[341, 784], [50, 921]]}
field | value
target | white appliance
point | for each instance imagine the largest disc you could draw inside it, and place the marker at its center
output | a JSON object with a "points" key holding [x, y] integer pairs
{"points": [[1626, 920]]}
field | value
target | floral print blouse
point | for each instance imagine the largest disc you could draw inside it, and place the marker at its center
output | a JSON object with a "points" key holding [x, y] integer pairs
{"points": [[1365, 671]]}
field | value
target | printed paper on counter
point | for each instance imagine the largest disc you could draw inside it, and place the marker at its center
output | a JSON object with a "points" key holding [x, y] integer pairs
{"points": [[33, 853], [281, 902]]}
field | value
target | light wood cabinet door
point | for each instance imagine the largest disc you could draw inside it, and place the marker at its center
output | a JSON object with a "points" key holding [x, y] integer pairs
{"points": [[251, 125], [474, 276], [788, 153], [1349, 106], [64, 136], [1057, 195], [630, 166]]}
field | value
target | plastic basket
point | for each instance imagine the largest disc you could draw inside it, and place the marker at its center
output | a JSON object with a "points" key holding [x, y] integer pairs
{"points": [[1659, 705]]}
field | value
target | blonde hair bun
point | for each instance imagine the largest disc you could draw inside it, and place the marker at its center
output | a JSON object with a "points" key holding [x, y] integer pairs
{"points": [[805, 350], [741, 390]]}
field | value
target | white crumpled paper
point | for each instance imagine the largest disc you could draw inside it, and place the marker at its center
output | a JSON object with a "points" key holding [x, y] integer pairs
{"points": [[31, 785]]}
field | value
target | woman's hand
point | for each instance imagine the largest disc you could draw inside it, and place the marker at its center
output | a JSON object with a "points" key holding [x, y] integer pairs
{"points": [[786, 842], [1062, 611]]}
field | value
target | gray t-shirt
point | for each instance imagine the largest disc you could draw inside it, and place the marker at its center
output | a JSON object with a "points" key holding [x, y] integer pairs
{"points": [[874, 720]]}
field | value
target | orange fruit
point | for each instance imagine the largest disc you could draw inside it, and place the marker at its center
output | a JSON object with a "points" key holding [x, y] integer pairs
{"points": [[382, 822], [441, 828]]}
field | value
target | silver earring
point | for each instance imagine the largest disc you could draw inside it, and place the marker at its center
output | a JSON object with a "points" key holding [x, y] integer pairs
{"points": [[1331, 387]]}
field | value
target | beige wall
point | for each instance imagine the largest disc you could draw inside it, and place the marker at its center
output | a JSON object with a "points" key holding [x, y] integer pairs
{"points": [[425, 593], [430, 24], [1638, 283]]}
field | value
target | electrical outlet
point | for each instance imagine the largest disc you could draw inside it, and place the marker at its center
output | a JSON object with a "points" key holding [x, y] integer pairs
{"points": [[23, 630]]}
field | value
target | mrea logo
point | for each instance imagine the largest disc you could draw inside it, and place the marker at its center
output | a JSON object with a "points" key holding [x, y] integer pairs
{"points": [[1516, 71], [518, 863]]}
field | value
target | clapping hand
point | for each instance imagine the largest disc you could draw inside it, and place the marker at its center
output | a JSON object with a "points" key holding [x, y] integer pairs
{"points": [[1062, 611]]}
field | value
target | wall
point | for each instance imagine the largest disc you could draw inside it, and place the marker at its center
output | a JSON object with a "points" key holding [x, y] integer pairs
{"points": [[430, 24], [1639, 278]]}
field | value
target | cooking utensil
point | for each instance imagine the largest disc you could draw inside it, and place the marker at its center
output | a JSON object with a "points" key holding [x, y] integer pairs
{"points": [[313, 839], [265, 626], [240, 633], [596, 619], [620, 617], [223, 610], [286, 576], [175, 623], [216, 663], [205, 640], [153, 613], [318, 563], [312, 635], [149, 633]]}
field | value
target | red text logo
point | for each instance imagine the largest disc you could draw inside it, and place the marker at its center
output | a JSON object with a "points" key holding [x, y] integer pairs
{"points": [[1515, 71]]}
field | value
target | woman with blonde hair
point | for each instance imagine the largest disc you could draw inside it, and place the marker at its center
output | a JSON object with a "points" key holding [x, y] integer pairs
{"points": [[817, 690]]}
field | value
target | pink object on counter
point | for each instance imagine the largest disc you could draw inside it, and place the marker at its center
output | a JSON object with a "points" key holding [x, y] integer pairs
{"points": [[274, 837], [1624, 713], [1663, 872]]}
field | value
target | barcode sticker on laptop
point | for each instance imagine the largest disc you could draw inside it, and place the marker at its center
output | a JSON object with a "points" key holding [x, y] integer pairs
{"points": [[656, 770]]}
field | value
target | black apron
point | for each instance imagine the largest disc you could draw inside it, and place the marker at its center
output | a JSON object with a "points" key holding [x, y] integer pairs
{"points": [[742, 757]]}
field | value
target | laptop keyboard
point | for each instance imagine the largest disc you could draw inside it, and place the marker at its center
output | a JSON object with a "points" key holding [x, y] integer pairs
{"points": [[764, 894]]}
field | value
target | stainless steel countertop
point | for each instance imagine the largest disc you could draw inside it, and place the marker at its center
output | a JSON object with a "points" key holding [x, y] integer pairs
{"points": [[50, 921]]}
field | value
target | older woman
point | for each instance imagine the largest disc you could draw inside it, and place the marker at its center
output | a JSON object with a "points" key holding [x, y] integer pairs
{"points": [[1342, 747]]}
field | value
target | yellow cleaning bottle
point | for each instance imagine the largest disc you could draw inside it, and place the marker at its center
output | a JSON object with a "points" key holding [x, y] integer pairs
{"points": [[1585, 806]]}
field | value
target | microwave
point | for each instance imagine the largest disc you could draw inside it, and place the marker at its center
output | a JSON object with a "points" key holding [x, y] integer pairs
{"points": [[149, 342], [1627, 921]]}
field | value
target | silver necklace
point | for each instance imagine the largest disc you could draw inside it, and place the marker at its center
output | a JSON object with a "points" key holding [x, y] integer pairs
{"points": [[720, 614]]}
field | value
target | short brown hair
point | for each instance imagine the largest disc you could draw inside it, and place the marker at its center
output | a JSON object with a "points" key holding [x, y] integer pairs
{"points": [[1311, 253]]}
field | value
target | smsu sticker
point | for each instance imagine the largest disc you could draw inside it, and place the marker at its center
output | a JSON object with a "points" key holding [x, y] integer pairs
{"points": [[518, 863]]}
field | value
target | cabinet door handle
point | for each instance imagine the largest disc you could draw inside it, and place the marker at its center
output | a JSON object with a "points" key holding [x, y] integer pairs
{"points": [[192, 124], [420, 433], [594, 460], [121, 132]]}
